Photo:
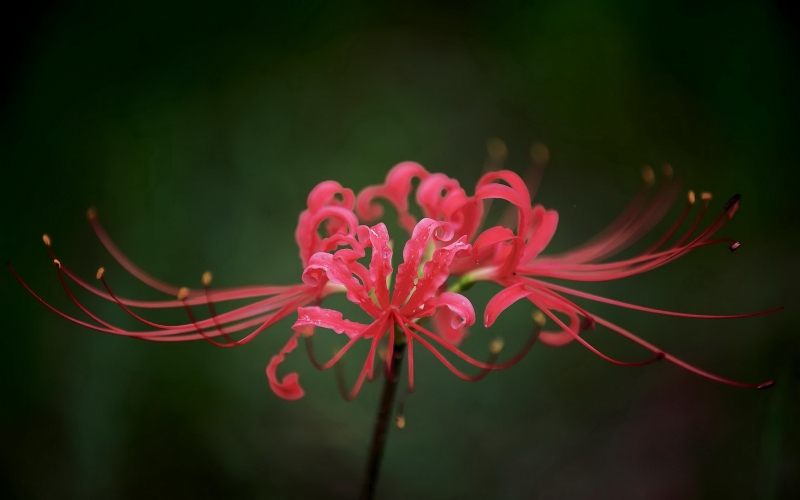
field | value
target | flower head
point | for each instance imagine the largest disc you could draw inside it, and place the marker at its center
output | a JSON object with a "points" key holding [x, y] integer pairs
{"points": [[452, 239], [395, 315]]}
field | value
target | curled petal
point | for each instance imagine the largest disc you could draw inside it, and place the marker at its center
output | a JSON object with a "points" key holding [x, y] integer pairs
{"points": [[332, 243], [443, 321], [463, 312], [541, 229], [309, 318], [380, 267], [500, 248], [339, 220], [435, 273], [330, 193], [341, 273], [513, 293], [502, 301], [516, 193], [442, 198], [396, 190], [288, 387], [407, 272]]}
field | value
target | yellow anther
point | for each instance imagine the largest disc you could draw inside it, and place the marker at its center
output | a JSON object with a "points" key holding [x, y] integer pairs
{"points": [[705, 196], [400, 420], [691, 197], [207, 278], [540, 154], [91, 213], [183, 293], [539, 318], [496, 149], [648, 176], [46, 239], [383, 352], [57, 263], [496, 346], [667, 170], [100, 273]]}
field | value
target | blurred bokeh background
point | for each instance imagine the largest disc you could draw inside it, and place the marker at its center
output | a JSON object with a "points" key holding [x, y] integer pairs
{"points": [[197, 129]]}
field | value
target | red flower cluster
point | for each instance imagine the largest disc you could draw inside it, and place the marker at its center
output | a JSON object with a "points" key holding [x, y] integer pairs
{"points": [[342, 253]]}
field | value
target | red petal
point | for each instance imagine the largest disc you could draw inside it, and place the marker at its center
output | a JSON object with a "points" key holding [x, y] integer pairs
{"points": [[380, 266], [502, 301], [435, 273], [341, 273], [289, 387], [329, 193], [326, 318], [516, 193], [462, 312], [396, 190], [407, 272], [541, 229], [339, 219], [443, 322]]}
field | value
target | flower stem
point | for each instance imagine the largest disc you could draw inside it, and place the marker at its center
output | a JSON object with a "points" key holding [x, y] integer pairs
{"points": [[382, 424]]}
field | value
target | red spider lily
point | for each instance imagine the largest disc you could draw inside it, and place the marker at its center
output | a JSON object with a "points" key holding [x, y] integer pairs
{"points": [[329, 210], [416, 295], [512, 258]]}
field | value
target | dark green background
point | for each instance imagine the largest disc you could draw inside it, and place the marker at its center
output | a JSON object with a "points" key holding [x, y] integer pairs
{"points": [[197, 130]]}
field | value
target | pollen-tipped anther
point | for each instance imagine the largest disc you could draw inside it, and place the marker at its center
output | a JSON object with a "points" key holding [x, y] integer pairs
{"points": [[46, 239], [765, 385], [400, 421], [540, 154], [91, 213], [734, 246], [734, 199], [705, 196], [691, 197], [207, 276], [57, 263], [732, 206], [383, 353], [496, 149], [496, 346], [667, 169], [648, 176], [183, 293], [539, 318], [100, 272]]}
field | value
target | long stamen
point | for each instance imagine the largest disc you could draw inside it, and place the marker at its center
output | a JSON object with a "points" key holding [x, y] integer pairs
{"points": [[233, 316], [677, 224], [705, 197], [474, 362], [380, 323], [458, 373], [62, 314], [177, 334], [207, 276], [368, 365], [77, 303], [120, 257], [637, 227], [182, 294], [591, 275], [623, 220], [627, 305], [679, 362], [586, 344]]}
